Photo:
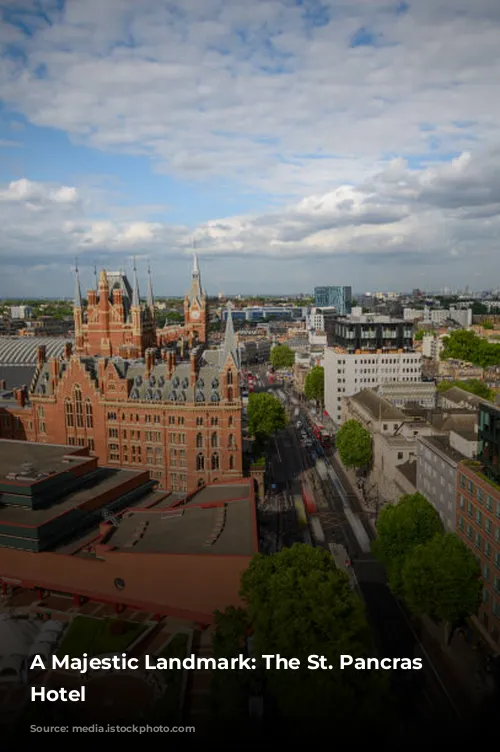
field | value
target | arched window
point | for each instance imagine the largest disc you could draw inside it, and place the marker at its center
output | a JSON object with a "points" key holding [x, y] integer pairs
{"points": [[68, 409], [215, 462], [230, 421], [230, 441], [89, 416], [199, 440], [214, 440], [229, 377], [200, 462], [231, 461], [78, 407], [230, 394]]}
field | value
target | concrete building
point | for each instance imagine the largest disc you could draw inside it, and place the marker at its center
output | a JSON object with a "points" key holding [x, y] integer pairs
{"points": [[437, 468], [458, 370], [456, 398], [317, 318], [105, 535], [432, 345], [20, 312], [338, 297]]}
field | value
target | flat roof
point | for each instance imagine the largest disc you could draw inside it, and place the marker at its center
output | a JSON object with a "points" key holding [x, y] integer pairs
{"points": [[218, 530], [105, 479], [44, 458], [442, 444]]}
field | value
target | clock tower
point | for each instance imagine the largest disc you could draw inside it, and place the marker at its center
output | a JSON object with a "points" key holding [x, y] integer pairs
{"points": [[195, 308]]}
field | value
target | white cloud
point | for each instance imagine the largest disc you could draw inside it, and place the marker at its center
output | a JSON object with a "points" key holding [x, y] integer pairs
{"points": [[27, 191]]}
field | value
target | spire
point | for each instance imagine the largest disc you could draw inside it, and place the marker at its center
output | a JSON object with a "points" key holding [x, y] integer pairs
{"points": [[103, 281], [78, 292], [230, 346], [136, 299], [195, 292], [95, 277], [150, 296], [196, 268]]}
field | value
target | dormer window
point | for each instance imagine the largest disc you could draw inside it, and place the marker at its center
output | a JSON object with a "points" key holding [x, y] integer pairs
{"points": [[157, 394], [215, 382], [138, 380], [175, 382], [149, 394], [173, 396], [134, 394], [200, 397], [200, 383], [185, 382], [215, 397]]}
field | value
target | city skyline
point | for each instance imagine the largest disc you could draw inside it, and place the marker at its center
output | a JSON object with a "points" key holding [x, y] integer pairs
{"points": [[298, 143]]}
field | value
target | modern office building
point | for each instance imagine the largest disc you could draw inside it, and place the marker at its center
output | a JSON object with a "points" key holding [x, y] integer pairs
{"points": [[365, 352], [339, 297], [106, 535]]}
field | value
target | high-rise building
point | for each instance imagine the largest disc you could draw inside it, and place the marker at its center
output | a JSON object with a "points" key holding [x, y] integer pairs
{"points": [[339, 297], [365, 352]]}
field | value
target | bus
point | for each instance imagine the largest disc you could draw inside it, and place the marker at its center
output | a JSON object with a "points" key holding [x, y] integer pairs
{"points": [[300, 511], [321, 434], [308, 498]]}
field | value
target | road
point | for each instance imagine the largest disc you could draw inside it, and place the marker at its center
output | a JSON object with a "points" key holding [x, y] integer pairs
{"points": [[423, 695]]}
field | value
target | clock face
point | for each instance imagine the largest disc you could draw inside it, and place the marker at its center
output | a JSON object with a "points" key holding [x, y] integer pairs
{"points": [[195, 314]]}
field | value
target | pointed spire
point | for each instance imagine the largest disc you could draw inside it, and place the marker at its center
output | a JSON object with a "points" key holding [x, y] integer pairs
{"points": [[136, 298], [78, 292], [103, 280], [95, 277], [150, 296], [230, 346]]}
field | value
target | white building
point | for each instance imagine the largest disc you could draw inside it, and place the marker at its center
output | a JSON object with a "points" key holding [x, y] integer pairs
{"points": [[432, 346], [412, 314], [462, 316], [347, 374], [20, 312]]}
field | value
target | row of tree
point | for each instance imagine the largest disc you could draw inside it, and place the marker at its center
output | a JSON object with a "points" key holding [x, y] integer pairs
{"points": [[466, 345], [297, 604], [432, 571]]}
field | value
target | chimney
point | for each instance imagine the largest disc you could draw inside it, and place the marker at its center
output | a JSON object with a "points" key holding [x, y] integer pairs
{"points": [[192, 365], [68, 350], [54, 366], [170, 364], [150, 360], [41, 355], [20, 395], [101, 372]]}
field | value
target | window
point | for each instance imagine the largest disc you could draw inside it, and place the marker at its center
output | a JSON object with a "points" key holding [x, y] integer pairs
{"points": [[199, 421], [180, 421], [400, 455], [113, 433], [214, 421], [230, 394], [68, 409], [231, 461], [479, 517], [78, 407], [497, 559], [90, 444], [199, 440], [462, 502], [230, 421], [478, 540], [487, 549], [385, 427], [496, 584], [489, 504], [470, 486], [230, 441], [488, 526], [215, 462], [89, 416], [200, 462], [479, 495], [462, 481], [229, 377], [486, 595]]}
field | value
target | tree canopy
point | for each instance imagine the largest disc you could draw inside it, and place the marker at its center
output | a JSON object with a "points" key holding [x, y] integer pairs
{"points": [[442, 578], [354, 444], [400, 528], [463, 344], [299, 604], [282, 357], [475, 386], [266, 414], [314, 386]]}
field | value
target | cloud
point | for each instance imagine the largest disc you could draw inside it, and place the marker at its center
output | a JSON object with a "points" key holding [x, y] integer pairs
{"points": [[29, 193]]}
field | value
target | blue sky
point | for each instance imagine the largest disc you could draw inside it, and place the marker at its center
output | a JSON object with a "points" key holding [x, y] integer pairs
{"points": [[295, 141]]}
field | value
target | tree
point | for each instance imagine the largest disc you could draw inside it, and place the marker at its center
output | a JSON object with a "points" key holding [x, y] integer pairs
{"points": [[488, 325], [475, 386], [266, 415], [314, 386], [400, 528], [418, 336], [354, 444], [299, 604], [465, 345], [282, 357], [442, 578]]}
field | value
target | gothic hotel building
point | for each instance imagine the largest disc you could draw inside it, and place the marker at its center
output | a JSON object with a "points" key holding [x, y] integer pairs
{"points": [[136, 395]]}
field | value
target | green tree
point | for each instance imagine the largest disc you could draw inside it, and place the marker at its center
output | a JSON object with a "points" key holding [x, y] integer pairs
{"points": [[354, 444], [465, 345], [314, 386], [400, 528], [299, 604], [266, 415], [442, 578], [282, 357], [418, 336], [488, 325], [475, 386]]}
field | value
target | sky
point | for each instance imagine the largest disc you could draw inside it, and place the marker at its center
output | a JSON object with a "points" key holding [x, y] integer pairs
{"points": [[294, 143]]}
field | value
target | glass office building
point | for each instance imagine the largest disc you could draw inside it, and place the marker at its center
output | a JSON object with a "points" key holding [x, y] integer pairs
{"points": [[339, 296]]}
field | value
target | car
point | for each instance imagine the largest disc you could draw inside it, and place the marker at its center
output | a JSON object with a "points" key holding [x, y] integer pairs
{"points": [[298, 424]]}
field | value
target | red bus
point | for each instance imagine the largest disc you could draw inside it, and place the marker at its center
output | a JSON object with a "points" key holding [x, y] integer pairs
{"points": [[321, 434], [308, 498]]}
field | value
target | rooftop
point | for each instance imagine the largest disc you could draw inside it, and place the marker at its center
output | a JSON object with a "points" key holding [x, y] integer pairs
{"points": [[221, 529], [442, 444], [368, 318], [379, 407], [34, 460]]}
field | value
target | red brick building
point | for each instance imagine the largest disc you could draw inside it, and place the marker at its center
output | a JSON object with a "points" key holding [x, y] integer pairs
{"points": [[478, 514], [173, 411]]}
